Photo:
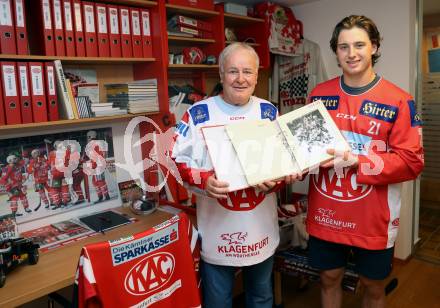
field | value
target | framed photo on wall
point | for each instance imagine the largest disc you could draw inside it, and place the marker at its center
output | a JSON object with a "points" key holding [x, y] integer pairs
{"points": [[50, 178]]}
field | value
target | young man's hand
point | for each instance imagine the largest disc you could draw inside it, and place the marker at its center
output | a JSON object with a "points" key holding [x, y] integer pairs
{"points": [[341, 160], [215, 188]]}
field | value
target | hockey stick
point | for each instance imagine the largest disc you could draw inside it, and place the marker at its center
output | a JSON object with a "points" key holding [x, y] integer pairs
{"points": [[39, 204]]}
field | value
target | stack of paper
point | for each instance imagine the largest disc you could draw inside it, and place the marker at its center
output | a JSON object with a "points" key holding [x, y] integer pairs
{"points": [[135, 97]]}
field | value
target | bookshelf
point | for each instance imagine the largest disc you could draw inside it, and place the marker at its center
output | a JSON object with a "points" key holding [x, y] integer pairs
{"points": [[116, 70], [33, 127], [76, 60]]}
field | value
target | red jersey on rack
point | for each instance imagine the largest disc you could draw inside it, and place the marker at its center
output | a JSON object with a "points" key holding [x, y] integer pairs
{"points": [[154, 268]]}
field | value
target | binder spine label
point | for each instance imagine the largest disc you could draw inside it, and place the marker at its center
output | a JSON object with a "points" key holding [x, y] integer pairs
{"points": [[57, 13], [5, 15], [78, 21], [46, 13], [102, 20], [9, 80], [135, 23], [89, 19], [23, 81], [51, 80], [114, 25], [68, 16], [37, 80], [125, 21], [146, 23], [19, 13]]}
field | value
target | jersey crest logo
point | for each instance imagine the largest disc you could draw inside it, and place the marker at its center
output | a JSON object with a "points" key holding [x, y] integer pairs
{"points": [[199, 114], [379, 111], [237, 238], [416, 120], [182, 128], [242, 200], [326, 212], [268, 111], [343, 189], [330, 102], [150, 274]]}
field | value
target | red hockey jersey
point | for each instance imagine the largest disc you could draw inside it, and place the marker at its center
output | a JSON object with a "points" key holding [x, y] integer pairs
{"points": [[155, 268], [12, 177], [39, 167], [383, 128]]}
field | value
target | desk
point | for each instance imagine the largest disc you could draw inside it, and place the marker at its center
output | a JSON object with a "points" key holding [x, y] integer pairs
{"points": [[56, 269]]}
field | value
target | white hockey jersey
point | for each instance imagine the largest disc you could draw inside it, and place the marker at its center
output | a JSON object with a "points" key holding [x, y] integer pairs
{"points": [[241, 230]]}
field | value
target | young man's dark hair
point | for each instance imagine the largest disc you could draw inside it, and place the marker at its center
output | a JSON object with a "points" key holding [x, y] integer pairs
{"points": [[361, 22]]}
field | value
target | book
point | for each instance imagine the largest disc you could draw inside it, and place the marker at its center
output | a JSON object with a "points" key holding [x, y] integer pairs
{"points": [[72, 100], [63, 88], [251, 152], [104, 221]]}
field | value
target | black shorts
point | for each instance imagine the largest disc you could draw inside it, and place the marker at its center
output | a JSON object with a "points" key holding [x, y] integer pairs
{"points": [[372, 264]]}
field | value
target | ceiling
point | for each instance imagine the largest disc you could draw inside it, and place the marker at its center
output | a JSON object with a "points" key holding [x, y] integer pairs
{"points": [[429, 6]]}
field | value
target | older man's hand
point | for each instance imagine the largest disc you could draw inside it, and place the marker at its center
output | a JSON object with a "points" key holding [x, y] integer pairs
{"points": [[216, 189], [288, 179]]}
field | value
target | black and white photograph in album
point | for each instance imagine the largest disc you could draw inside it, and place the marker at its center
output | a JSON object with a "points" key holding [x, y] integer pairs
{"points": [[310, 130], [53, 174]]}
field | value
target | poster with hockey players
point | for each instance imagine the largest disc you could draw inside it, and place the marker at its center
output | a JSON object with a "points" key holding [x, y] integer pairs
{"points": [[50, 178]]}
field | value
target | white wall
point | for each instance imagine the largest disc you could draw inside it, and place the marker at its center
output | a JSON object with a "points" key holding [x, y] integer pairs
{"points": [[393, 18], [396, 22]]}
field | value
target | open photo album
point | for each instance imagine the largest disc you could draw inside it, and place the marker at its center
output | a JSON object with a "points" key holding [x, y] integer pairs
{"points": [[251, 152]]}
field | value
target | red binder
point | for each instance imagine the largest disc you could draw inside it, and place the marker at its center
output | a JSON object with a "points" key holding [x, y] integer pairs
{"points": [[40, 17], [20, 28], [7, 31], [136, 38], [2, 107], [39, 108], [147, 46], [58, 31], [80, 46], [102, 30], [51, 92], [69, 37], [10, 93], [25, 97], [90, 29], [124, 22], [114, 31]]}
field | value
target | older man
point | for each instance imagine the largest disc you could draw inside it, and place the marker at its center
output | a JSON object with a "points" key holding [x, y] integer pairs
{"points": [[238, 229]]}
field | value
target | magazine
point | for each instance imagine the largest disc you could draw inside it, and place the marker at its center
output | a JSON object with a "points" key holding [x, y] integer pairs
{"points": [[8, 227], [251, 152], [57, 234], [130, 191]]}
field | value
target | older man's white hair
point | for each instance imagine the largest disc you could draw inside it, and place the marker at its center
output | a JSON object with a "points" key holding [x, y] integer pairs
{"points": [[233, 47]]}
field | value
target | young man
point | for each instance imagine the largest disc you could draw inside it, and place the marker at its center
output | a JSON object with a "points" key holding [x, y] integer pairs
{"points": [[238, 229], [358, 213]]}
